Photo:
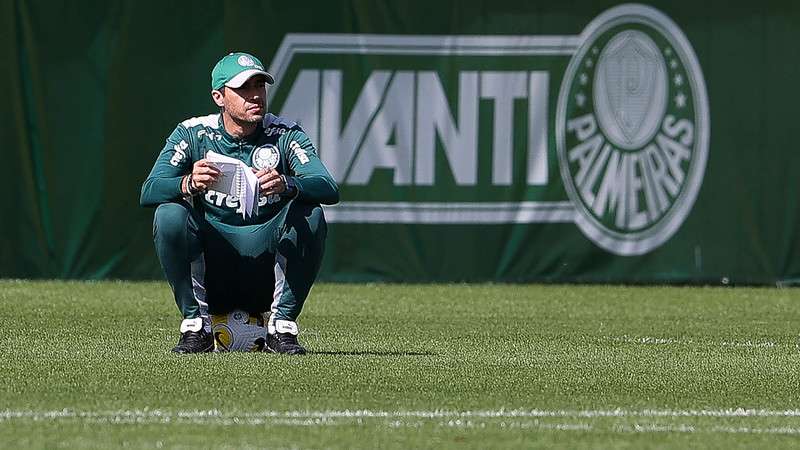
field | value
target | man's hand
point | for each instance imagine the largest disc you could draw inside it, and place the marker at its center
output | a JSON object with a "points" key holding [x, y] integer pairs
{"points": [[204, 174], [270, 181]]}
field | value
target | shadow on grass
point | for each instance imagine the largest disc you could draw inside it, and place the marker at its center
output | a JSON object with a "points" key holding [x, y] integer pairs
{"points": [[371, 353]]}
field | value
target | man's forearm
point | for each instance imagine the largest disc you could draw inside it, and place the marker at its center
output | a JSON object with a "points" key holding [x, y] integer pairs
{"points": [[160, 190], [317, 190]]}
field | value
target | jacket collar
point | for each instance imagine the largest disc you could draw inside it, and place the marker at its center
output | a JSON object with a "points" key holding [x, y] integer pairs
{"points": [[250, 138]]}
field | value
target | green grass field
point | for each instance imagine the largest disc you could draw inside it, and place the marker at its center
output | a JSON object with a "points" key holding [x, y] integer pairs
{"points": [[87, 365]]}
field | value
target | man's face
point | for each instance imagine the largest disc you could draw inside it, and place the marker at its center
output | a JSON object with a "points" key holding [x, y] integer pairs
{"points": [[247, 103]]}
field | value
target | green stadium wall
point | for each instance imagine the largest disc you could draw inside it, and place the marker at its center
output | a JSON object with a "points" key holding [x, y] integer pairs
{"points": [[514, 141]]}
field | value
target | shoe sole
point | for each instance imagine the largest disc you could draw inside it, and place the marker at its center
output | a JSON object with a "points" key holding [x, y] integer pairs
{"points": [[269, 349], [183, 352], [286, 353]]}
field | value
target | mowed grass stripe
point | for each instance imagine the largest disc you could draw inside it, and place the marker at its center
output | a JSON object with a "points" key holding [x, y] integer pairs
{"points": [[480, 365]]}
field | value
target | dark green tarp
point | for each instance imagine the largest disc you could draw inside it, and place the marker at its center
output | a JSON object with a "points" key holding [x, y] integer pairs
{"points": [[94, 88]]}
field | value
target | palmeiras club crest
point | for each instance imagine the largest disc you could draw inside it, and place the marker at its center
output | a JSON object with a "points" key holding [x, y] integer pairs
{"points": [[266, 157], [632, 129]]}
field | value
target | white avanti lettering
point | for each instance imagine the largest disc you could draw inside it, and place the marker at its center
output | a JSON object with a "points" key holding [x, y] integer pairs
{"points": [[394, 117], [346, 141], [302, 103], [637, 188], [401, 119], [503, 88], [460, 143], [538, 137]]}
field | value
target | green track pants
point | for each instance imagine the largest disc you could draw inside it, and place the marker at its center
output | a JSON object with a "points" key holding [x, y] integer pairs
{"points": [[254, 268]]}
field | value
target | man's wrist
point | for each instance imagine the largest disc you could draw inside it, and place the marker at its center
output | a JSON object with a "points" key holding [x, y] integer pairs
{"points": [[291, 187], [188, 187]]}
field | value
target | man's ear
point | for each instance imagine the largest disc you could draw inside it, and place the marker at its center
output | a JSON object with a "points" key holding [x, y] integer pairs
{"points": [[218, 97]]}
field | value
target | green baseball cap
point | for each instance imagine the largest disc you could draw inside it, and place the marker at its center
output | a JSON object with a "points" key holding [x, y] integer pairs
{"points": [[236, 68]]}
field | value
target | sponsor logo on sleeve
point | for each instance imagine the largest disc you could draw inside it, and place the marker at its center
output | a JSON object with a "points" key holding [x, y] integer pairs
{"points": [[180, 153], [299, 152]]}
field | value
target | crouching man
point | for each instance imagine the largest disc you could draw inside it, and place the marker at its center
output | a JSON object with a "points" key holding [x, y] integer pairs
{"points": [[216, 257]]}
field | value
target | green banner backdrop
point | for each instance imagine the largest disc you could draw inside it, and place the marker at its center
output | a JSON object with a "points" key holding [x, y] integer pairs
{"points": [[581, 141]]}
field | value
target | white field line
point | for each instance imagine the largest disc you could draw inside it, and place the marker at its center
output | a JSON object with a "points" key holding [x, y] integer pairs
{"points": [[655, 428], [157, 415], [748, 430], [653, 340], [749, 343], [505, 419]]}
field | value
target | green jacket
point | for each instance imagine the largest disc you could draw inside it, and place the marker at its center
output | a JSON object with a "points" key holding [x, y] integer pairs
{"points": [[277, 142]]}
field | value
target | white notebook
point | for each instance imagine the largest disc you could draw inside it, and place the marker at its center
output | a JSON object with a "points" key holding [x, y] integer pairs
{"points": [[237, 180]]}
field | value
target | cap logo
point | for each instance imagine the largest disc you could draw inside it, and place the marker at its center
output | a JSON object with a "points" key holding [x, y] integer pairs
{"points": [[246, 61]]}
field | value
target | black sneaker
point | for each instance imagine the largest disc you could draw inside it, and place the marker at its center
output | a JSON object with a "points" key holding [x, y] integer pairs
{"points": [[284, 343], [195, 342]]}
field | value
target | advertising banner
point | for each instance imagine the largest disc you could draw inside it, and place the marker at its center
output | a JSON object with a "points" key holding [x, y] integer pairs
{"points": [[620, 143]]}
